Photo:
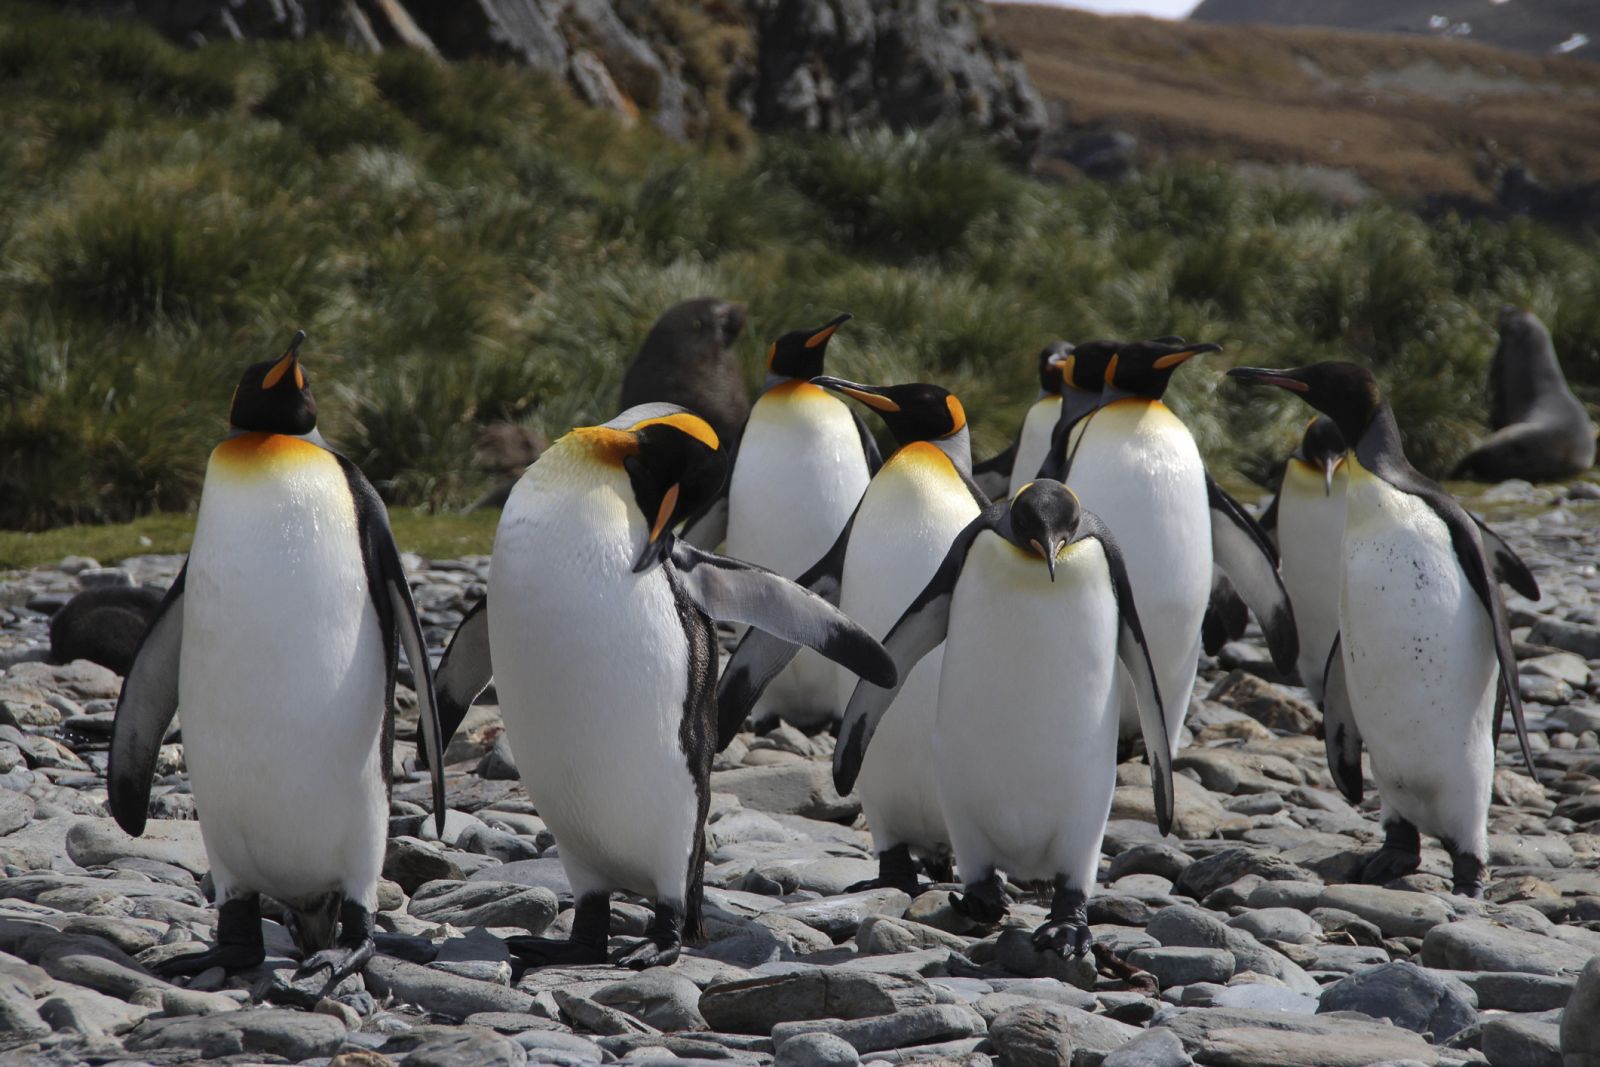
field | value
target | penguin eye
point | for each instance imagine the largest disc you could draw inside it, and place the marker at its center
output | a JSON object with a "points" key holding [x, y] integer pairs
{"points": [[699, 324]]}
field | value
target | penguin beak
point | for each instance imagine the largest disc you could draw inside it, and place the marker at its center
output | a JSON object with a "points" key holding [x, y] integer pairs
{"points": [[1184, 355], [1268, 376], [1049, 556], [1329, 465], [873, 397], [290, 362], [820, 338], [659, 542]]}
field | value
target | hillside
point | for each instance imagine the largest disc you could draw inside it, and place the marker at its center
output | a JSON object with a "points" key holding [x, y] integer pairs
{"points": [[1408, 115], [1537, 26]]}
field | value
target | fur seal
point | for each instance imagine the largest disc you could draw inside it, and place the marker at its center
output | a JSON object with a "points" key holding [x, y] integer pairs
{"points": [[1541, 431], [687, 359], [104, 625]]}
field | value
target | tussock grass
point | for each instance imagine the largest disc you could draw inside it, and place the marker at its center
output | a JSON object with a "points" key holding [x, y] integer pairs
{"points": [[466, 244]]}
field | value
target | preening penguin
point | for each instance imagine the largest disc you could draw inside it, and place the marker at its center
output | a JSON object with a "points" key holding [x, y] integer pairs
{"points": [[1307, 515], [278, 640], [1423, 666], [598, 630], [805, 460], [1035, 611], [1135, 465], [894, 542]]}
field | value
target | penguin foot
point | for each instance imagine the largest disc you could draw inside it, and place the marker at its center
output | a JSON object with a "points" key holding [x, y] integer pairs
{"points": [[553, 951], [1387, 864], [228, 957], [653, 951], [1466, 873], [984, 902], [340, 962], [1067, 937], [896, 870], [239, 943]]}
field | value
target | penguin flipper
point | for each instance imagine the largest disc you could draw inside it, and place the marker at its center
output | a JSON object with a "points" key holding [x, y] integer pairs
{"points": [[397, 619], [920, 629], [869, 444], [1508, 566], [144, 711], [993, 475], [1339, 733], [464, 672], [761, 656], [1226, 615], [1269, 518], [1242, 551], [1135, 656]]}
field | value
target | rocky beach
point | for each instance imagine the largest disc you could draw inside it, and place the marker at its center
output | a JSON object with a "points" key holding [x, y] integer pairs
{"points": [[1239, 941]]}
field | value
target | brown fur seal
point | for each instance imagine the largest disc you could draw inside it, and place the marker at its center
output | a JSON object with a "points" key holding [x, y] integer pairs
{"points": [[687, 359], [104, 625], [1541, 431]]}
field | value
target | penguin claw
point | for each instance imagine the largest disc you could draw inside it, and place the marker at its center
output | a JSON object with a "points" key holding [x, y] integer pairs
{"points": [[985, 903], [649, 953], [1387, 864], [341, 962], [1069, 938]]}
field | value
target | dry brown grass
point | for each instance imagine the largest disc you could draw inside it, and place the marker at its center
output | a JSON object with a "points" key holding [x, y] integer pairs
{"points": [[1409, 115]]}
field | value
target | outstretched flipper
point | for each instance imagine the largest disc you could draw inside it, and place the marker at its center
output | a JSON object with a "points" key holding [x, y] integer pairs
{"points": [[1508, 566], [465, 671], [144, 711], [761, 656], [1340, 736], [1243, 552], [1134, 654], [730, 590], [397, 618], [919, 631]]}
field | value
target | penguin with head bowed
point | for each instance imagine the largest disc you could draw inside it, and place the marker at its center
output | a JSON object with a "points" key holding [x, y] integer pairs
{"points": [[1001, 473], [1037, 618], [597, 628], [279, 641], [1307, 518], [894, 542], [805, 461], [1135, 464], [1422, 668]]}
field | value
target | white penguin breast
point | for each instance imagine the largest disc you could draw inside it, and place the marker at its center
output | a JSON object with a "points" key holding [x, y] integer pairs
{"points": [[591, 665], [1311, 547], [281, 681], [1033, 445]]}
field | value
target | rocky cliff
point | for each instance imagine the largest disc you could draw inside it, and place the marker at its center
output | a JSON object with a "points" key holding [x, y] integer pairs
{"points": [[695, 70]]}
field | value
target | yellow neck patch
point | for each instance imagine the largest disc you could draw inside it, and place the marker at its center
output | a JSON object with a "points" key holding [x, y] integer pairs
{"points": [[264, 453], [796, 389]]}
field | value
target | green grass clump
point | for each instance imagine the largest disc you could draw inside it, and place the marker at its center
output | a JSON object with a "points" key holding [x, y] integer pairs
{"points": [[465, 243]]}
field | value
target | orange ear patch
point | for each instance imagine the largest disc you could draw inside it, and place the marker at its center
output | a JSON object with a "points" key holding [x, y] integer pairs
{"points": [[1111, 369], [958, 414]]}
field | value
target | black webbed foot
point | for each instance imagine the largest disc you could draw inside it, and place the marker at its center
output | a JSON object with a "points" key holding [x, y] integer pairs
{"points": [[1400, 855], [1466, 873], [896, 870], [239, 945], [1066, 932], [984, 902], [591, 922], [661, 948], [354, 949]]}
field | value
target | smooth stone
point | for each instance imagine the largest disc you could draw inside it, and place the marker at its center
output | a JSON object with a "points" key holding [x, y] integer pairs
{"points": [[839, 917], [1514, 991], [98, 842], [1154, 857], [752, 1006], [1265, 998], [439, 992], [1301, 895], [1014, 952], [912, 1026], [804, 788], [295, 1035], [881, 934], [545, 1045], [484, 903], [453, 1046], [658, 998], [1185, 926], [1182, 966], [73, 1007], [1580, 1022], [412, 864], [512, 1022], [1031, 1036], [19, 1017], [1208, 874], [1152, 1048], [586, 1015], [1279, 924], [1234, 1037], [176, 1002], [1407, 995], [816, 1050], [1396, 913], [1522, 1041], [546, 873], [16, 810], [1480, 945]]}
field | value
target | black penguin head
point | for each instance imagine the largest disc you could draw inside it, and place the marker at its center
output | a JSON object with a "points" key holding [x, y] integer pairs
{"points": [[1323, 447], [1145, 367], [1345, 392], [798, 353], [914, 412], [1085, 368], [698, 325], [1044, 519], [275, 396], [676, 466], [1052, 365]]}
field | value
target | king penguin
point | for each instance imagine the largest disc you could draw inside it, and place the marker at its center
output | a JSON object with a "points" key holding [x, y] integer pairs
{"points": [[894, 542], [804, 462], [1307, 517], [1034, 609], [1135, 465], [1000, 474], [1422, 668], [278, 639], [597, 628]]}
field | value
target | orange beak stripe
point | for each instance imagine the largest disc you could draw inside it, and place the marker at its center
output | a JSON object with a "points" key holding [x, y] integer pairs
{"points": [[279, 369], [1173, 359], [821, 336], [669, 501], [872, 400]]}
